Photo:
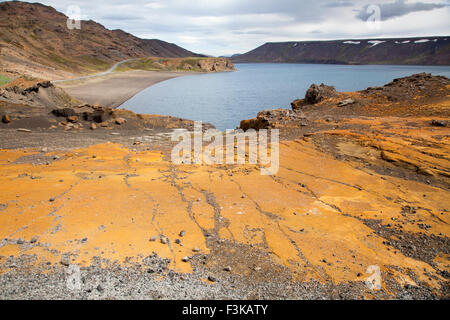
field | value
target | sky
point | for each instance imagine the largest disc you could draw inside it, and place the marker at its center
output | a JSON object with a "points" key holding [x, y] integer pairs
{"points": [[226, 27]]}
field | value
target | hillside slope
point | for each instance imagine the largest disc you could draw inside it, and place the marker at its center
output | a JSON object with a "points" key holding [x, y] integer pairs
{"points": [[412, 51], [34, 39]]}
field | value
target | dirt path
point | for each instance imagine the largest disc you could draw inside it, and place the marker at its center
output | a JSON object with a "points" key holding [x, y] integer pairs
{"points": [[104, 73]]}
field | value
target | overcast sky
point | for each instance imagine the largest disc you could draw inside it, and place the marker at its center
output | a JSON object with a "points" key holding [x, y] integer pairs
{"points": [[224, 27]]}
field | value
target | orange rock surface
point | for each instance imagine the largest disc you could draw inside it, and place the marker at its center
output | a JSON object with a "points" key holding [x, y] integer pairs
{"points": [[319, 216]]}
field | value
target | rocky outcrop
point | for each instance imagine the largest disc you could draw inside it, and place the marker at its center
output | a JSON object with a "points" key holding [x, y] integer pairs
{"points": [[90, 113], [314, 95], [278, 118], [179, 64], [34, 92], [401, 97], [409, 88], [215, 65], [317, 93]]}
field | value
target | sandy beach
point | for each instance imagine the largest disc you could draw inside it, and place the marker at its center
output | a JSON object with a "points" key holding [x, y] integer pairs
{"points": [[115, 88]]}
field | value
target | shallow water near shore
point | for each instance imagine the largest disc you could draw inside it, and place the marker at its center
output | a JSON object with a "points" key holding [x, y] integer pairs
{"points": [[224, 99]]}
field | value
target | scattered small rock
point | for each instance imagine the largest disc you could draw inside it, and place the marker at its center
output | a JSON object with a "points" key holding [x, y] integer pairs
{"points": [[212, 279], [227, 268], [438, 123], [65, 260], [346, 102], [6, 119], [185, 259], [182, 233], [120, 121], [72, 119]]}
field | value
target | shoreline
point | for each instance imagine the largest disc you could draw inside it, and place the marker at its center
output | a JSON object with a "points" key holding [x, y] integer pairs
{"points": [[113, 89]]}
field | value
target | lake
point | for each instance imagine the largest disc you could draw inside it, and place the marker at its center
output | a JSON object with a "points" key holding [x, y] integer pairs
{"points": [[224, 99]]}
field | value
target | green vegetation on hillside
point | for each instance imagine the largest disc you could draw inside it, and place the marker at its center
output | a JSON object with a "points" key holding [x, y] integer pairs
{"points": [[4, 80], [94, 63]]}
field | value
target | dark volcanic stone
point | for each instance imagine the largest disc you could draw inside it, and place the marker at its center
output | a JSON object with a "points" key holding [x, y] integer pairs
{"points": [[316, 93]]}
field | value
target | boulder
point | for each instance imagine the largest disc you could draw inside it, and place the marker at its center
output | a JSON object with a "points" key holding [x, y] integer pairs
{"points": [[273, 119], [254, 123], [316, 94], [86, 112], [297, 104], [64, 112]]}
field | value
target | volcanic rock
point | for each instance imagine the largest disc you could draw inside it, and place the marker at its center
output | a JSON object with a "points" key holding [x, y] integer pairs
{"points": [[316, 94], [6, 119]]}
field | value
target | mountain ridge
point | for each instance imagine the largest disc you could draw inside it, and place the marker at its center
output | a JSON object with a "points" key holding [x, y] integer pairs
{"points": [[401, 51], [34, 38]]}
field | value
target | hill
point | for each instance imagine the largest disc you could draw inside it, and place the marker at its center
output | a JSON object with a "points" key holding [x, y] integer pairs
{"points": [[410, 51], [35, 40]]}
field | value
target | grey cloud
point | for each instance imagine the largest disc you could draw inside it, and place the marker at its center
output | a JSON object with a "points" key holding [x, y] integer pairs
{"points": [[338, 4], [255, 32], [397, 9], [229, 26]]}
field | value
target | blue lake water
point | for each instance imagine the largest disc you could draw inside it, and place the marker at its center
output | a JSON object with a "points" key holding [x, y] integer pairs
{"points": [[224, 99]]}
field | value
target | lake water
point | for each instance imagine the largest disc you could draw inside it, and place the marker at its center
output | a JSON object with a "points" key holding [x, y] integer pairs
{"points": [[224, 99]]}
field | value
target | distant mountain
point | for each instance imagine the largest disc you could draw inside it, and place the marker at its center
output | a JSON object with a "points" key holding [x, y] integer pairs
{"points": [[412, 51], [34, 35]]}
